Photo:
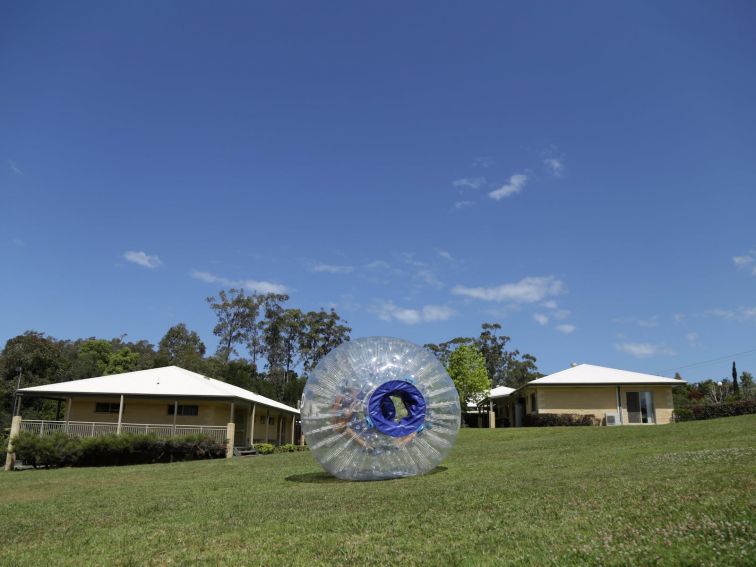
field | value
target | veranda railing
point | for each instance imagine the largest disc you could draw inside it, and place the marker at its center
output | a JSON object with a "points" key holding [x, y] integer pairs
{"points": [[95, 428]]}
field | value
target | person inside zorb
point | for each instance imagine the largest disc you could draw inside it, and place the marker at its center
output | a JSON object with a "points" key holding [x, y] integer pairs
{"points": [[379, 407]]}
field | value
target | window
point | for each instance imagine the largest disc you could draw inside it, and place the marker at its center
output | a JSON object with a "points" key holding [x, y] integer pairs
{"points": [[184, 410], [107, 407], [640, 407], [533, 404]]}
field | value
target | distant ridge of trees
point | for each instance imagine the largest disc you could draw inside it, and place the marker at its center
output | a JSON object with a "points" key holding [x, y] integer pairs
{"points": [[264, 346]]}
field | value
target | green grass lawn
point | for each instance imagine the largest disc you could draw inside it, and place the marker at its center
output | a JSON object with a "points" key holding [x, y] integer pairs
{"points": [[682, 494]]}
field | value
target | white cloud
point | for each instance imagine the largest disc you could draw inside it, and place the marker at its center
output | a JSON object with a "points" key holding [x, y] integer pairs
{"points": [[332, 269], [445, 255], [463, 205], [643, 350], [469, 182], [692, 339], [679, 317], [377, 265], [142, 259], [389, 312], [738, 314], [14, 168], [483, 161], [437, 312], [746, 262], [527, 290], [252, 286], [515, 185], [425, 276], [647, 323], [554, 165], [18, 242], [566, 328], [550, 304], [541, 319]]}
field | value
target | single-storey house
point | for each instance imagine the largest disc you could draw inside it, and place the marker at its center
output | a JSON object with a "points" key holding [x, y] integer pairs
{"points": [[612, 396], [164, 401]]}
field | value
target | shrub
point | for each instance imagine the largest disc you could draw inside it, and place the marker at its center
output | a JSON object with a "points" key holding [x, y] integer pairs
{"points": [[264, 448], [711, 411], [56, 450], [557, 419], [59, 449], [303, 448], [682, 414], [288, 448]]}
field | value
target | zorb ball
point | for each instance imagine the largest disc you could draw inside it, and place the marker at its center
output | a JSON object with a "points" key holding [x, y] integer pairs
{"points": [[379, 407]]}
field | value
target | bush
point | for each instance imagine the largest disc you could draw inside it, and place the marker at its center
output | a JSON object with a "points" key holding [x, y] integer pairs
{"points": [[682, 414], [557, 419], [264, 448], [59, 449], [288, 448], [711, 411]]}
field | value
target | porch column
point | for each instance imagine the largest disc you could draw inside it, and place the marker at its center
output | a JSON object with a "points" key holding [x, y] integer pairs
{"points": [[10, 457], [175, 414], [120, 416], [252, 431], [267, 423], [68, 412], [231, 417], [491, 416], [293, 426], [230, 432], [57, 411]]}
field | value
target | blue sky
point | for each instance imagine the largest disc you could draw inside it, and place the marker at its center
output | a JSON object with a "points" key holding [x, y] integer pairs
{"points": [[583, 173]]}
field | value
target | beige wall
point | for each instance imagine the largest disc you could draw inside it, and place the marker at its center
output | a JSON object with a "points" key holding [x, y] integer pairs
{"points": [[137, 410], [597, 401], [594, 400], [663, 404], [140, 410]]}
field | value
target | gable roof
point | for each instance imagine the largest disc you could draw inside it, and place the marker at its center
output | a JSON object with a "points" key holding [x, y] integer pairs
{"points": [[589, 374], [165, 381], [500, 392]]}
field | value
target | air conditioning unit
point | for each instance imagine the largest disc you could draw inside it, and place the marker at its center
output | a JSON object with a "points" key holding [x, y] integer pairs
{"points": [[613, 419]]}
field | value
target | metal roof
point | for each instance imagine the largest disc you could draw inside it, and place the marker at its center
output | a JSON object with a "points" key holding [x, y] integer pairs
{"points": [[166, 381], [588, 374], [500, 392]]}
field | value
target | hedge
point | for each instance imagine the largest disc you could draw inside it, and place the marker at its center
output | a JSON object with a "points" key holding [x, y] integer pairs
{"points": [[59, 449], [557, 419], [711, 411], [269, 448]]}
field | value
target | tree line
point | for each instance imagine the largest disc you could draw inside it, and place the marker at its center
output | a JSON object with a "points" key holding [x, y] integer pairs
{"points": [[476, 364], [263, 346], [737, 388]]}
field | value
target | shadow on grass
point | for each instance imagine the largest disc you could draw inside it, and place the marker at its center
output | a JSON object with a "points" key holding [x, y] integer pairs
{"points": [[323, 477]]}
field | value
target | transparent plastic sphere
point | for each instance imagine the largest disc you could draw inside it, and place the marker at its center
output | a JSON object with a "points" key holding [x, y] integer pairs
{"points": [[379, 407]]}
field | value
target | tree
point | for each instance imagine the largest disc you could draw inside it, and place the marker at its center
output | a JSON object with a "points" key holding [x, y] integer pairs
{"points": [[467, 369], [735, 385], [237, 316], [503, 366], [323, 331], [121, 361], [182, 347], [94, 355], [522, 371], [746, 380]]}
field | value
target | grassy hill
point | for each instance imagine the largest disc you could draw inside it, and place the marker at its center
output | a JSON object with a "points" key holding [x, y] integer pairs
{"points": [[676, 494]]}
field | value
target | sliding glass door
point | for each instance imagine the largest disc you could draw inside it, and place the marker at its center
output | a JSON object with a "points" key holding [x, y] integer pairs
{"points": [[640, 407]]}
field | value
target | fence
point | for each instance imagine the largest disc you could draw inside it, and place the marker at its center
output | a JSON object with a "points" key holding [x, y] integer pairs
{"points": [[95, 429]]}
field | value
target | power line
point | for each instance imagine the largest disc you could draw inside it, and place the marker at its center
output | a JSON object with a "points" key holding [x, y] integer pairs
{"points": [[711, 361]]}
